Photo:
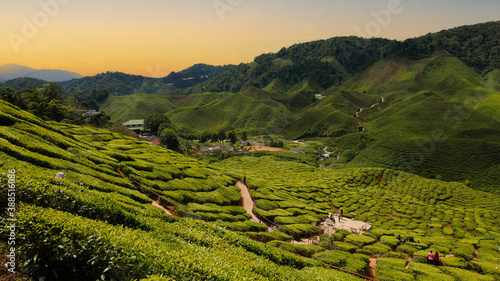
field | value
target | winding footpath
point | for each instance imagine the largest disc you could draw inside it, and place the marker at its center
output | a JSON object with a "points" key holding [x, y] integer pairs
{"points": [[372, 106], [247, 200]]}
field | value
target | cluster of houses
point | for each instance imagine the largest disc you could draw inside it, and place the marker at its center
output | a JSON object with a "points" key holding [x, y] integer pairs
{"points": [[217, 148]]}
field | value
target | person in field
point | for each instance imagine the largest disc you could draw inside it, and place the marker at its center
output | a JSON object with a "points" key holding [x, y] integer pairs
{"points": [[436, 258], [430, 258]]}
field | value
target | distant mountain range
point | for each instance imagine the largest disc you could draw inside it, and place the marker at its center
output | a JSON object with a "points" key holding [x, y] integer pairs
{"points": [[121, 84], [12, 71], [116, 83]]}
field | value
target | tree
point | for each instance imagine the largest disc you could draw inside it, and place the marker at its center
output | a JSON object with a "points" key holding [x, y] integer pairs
{"points": [[222, 135], [232, 137], [169, 138], [52, 91], [153, 122], [205, 136], [214, 137], [244, 136], [163, 126], [12, 96]]}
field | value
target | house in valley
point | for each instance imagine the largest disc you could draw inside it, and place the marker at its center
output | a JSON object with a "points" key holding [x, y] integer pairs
{"points": [[136, 125]]}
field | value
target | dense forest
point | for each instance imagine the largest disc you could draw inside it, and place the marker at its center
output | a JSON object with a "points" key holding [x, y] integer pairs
{"points": [[331, 61]]}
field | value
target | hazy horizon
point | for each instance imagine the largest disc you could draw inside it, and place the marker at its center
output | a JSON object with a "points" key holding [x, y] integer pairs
{"points": [[153, 37]]}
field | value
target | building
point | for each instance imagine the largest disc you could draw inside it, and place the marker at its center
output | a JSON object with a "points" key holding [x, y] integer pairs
{"points": [[135, 125]]}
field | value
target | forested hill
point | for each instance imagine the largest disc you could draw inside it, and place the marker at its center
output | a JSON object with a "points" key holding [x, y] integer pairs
{"points": [[477, 45], [195, 74], [326, 62], [116, 83], [120, 84], [331, 61]]}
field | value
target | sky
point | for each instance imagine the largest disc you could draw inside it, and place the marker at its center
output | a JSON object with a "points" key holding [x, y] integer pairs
{"points": [[154, 37]]}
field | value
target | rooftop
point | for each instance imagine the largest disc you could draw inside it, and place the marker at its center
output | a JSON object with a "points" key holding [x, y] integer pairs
{"points": [[134, 122]]}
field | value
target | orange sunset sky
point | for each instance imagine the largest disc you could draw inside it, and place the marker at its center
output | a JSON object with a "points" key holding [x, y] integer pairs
{"points": [[155, 37]]}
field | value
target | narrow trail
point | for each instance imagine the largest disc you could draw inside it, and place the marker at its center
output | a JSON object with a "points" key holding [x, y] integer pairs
{"points": [[373, 266], [247, 200], [372, 106], [156, 204]]}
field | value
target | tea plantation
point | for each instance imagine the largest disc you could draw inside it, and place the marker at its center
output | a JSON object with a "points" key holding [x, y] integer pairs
{"points": [[448, 217], [95, 224]]}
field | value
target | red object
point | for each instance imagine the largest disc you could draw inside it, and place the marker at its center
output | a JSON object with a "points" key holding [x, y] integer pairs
{"points": [[436, 256], [156, 142]]}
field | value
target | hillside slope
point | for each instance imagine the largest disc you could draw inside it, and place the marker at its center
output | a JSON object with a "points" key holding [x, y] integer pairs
{"points": [[252, 110], [94, 223], [135, 106]]}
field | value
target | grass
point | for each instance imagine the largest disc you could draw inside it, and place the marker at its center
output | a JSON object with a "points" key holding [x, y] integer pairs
{"points": [[136, 106]]}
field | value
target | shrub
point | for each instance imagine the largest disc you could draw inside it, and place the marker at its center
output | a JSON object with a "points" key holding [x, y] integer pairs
{"points": [[406, 249], [455, 262], [266, 204], [359, 240], [390, 241], [340, 234], [465, 251], [355, 263], [396, 255], [370, 234], [378, 248], [367, 252], [465, 275], [485, 267], [344, 247], [303, 250], [434, 277], [358, 264]]}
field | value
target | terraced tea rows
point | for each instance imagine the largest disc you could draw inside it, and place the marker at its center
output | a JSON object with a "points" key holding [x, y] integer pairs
{"points": [[93, 222]]}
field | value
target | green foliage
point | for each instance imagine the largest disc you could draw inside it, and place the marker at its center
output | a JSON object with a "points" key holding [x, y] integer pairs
{"points": [[154, 121], [406, 249], [390, 241], [359, 240], [455, 262], [427, 272], [170, 139], [303, 250], [346, 247], [465, 275], [352, 262], [465, 251], [392, 269]]}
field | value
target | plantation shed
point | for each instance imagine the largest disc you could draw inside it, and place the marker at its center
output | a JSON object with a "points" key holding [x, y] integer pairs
{"points": [[135, 125]]}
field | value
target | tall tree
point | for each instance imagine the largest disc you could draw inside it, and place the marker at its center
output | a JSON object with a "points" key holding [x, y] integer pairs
{"points": [[244, 136], [169, 138], [154, 121], [232, 137], [222, 135]]}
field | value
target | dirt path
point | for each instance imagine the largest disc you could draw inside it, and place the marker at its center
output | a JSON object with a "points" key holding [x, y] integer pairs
{"points": [[372, 106], [373, 266], [476, 253], [264, 148], [247, 200], [156, 204]]}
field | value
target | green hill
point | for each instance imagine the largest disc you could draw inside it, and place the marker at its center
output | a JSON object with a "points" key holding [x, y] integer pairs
{"points": [[23, 83], [94, 223], [436, 102], [252, 110], [136, 106], [97, 222]]}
